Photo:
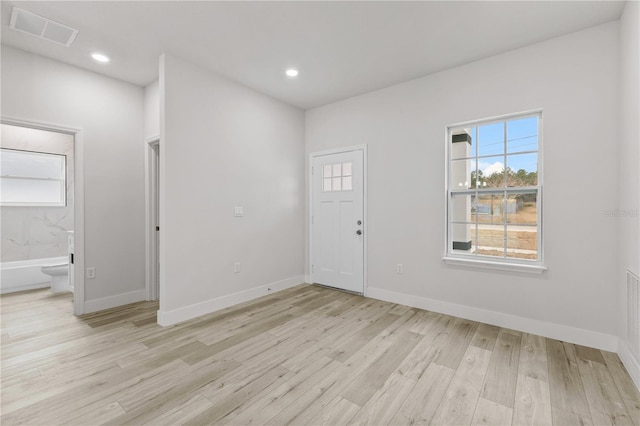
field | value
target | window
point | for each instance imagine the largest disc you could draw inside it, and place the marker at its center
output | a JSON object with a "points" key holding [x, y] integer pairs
{"points": [[32, 178], [337, 177], [494, 190]]}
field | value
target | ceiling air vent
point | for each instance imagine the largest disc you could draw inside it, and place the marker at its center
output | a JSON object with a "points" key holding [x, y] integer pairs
{"points": [[39, 26]]}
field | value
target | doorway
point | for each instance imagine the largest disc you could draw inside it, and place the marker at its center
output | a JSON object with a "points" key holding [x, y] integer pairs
{"points": [[53, 222], [153, 219], [338, 218]]}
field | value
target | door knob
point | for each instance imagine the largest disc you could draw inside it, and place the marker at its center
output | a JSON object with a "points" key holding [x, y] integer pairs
{"points": [[359, 232]]}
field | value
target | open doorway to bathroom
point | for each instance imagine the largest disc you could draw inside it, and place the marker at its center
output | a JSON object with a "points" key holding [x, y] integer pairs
{"points": [[39, 207]]}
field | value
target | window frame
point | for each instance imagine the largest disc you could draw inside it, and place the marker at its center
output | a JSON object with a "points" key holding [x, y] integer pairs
{"points": [[63, 193], [485, 261]]}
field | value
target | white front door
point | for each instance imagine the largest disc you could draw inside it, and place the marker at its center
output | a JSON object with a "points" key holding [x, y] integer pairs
{"points": [[337, 220]]}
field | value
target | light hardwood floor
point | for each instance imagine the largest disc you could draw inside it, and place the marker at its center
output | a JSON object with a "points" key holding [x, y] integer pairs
{"points": [[307, 355]]}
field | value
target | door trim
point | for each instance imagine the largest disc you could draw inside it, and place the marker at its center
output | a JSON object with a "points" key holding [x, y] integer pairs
{"points": [[151, 163], [78, 201], [365, 219]]}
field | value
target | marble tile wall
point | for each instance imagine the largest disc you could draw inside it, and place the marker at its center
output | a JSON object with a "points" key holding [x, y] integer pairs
{"points": [[36, 232]]}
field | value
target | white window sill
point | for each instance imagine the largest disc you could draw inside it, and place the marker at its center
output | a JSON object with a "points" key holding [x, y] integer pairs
{"points": [[501, 266]]}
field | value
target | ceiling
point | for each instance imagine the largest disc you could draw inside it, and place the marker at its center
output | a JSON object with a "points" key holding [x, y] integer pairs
{"points": [[341, 48]]}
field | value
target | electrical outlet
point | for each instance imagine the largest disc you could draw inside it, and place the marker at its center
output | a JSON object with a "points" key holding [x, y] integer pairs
{"points": [[399, 268], [91, 272], [238, 211], [236, 267]]}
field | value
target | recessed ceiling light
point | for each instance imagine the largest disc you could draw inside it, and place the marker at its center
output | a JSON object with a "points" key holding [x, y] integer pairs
{"points": [[100, 57], [292, 72]]}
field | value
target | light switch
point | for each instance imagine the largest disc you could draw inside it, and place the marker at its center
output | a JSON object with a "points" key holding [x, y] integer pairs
{"points": [[239, 211]]}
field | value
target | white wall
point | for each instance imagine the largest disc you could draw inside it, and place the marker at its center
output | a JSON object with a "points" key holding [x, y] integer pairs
{"points": [[224, 145], [110, 114], [152, 110], [629, 163], [574, 79]]}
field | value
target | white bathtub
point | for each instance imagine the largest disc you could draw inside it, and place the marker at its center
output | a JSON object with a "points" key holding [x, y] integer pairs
{"points": [[25, 274]]}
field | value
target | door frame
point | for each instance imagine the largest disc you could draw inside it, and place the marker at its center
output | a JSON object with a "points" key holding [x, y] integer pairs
{"points": [[78, 200], [365, 228], [152, 206]]}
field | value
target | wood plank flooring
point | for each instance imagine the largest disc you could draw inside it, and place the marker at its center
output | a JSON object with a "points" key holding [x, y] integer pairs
{"points": [[307, 355]]}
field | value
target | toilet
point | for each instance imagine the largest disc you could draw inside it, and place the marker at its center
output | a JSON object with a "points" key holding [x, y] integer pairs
{"points": [[59, 273]]}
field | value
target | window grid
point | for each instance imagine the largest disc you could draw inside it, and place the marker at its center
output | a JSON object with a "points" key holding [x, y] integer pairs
{"points": [[337, 177], [477, 188]]}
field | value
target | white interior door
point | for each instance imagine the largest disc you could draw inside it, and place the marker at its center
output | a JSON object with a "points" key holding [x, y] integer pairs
{"points": [[337, 220], [153, 266], [156, 279]]}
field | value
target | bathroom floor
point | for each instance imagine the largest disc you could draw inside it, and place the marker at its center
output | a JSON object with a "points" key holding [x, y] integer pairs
{"points": [[306, 355]]}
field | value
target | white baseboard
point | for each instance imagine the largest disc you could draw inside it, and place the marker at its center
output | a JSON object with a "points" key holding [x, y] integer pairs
{"points": [[569, 334], [101, 304], [630, 362], [15, 289], [307, 279], [198, 309]]}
